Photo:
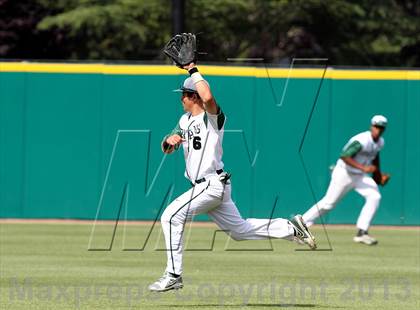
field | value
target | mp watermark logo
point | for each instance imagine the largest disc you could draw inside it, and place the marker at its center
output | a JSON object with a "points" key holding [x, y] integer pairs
{"points": [[123, 191]]}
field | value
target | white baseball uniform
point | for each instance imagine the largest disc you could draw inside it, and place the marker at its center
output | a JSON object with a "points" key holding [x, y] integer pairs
{"points": [[202, 145], [344, 178]]}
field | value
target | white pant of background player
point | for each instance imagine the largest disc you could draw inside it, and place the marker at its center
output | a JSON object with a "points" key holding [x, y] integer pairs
{"points": [[341, 183], [214, 198]]}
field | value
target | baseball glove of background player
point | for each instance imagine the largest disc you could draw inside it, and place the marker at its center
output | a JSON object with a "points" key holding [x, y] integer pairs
{"points": [[182, 49], [381, 178]]}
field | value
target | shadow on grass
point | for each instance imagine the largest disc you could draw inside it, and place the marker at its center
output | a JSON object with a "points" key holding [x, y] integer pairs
{"points": [[250, 305]]}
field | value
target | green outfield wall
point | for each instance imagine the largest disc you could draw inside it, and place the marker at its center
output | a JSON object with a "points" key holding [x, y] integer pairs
{"points": [[83, 140]]}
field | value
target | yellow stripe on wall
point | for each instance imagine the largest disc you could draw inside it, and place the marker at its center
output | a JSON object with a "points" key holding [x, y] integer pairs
{"points": [[99, 68]]}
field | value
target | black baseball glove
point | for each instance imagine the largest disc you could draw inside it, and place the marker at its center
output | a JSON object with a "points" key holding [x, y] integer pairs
{"points": [[182, 49]]}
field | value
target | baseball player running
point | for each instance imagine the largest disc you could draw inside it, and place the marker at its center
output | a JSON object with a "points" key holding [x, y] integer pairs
{"points": [[359, 158], [200, 132]]}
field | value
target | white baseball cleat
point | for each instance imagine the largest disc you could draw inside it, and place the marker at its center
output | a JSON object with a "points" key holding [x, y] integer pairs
{"points": [[366, 239], [166, 283], [302, 233]]}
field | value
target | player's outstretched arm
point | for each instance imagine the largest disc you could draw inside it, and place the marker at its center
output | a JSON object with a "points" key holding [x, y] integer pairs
{"points": [[203, 89]]}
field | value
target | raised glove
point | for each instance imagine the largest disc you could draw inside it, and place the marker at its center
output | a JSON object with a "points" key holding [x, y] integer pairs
{"points": [[182, 49]]}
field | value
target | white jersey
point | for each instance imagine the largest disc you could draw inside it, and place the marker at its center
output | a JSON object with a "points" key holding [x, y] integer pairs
{"points": [[202, 143], [367, 154]]}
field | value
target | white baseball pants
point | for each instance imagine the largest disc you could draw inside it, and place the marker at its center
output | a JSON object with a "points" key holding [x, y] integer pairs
{"points": [[341, 183], [214, 198]]}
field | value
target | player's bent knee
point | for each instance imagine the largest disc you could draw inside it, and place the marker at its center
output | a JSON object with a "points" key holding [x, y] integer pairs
{"points": [[168, 218], [375, 198], [165, 218]]}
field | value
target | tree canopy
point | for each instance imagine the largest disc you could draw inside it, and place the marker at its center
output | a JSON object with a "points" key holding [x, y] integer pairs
{"points": [[347, 32]]}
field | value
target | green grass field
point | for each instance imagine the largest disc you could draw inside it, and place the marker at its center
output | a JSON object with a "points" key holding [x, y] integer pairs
{"points": [[48, 266]]}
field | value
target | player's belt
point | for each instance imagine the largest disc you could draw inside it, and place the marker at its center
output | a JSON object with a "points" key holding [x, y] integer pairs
{"points": [[204, 179]]}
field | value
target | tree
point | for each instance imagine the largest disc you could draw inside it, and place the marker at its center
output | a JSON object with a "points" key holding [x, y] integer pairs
{"points": [[19, 37], [118, 30], [359, 32], [347, 32]]}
